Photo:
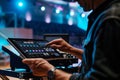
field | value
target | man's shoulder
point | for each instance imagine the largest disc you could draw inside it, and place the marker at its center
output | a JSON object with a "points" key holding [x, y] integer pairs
{"points": [[113, 11]]}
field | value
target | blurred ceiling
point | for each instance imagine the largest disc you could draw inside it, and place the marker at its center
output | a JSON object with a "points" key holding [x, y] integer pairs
{"points": [[34, 8], [57, 10]]}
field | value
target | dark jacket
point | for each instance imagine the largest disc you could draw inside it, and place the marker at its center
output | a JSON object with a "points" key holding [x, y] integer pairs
{"points": [[101, 60]]}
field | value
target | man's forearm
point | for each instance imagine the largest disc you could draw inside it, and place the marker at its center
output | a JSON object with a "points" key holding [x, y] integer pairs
{"points": [[61, 75], [76, 52]]}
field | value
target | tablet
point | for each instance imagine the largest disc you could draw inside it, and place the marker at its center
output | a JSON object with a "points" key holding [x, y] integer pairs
{"points": [[34, 48]]}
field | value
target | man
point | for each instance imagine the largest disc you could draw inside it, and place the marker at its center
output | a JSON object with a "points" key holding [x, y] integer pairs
{"points": [[100, 57]]}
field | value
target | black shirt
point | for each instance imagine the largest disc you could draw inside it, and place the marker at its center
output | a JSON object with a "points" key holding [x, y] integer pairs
{"points": [[101, 60]]}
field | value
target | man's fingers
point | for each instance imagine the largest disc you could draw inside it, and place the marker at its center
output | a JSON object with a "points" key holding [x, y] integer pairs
{"points": [[55, 46], [54, 41], [32, 60], [28, 61], [41, 63]]}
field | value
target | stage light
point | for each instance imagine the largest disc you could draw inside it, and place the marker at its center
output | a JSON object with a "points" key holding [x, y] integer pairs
{"points": [[72, 13], [47, 19], [57, 11], [28, 16], [20, 4], [83, 15], [42, 8], [70, 21]]}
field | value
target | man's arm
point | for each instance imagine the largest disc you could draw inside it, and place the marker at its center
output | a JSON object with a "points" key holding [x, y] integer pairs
{"points": [[40, 67], [61, 75], [66, 47]]}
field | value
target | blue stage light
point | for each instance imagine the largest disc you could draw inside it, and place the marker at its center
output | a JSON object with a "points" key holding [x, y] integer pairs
{"points": [[20, 4]]}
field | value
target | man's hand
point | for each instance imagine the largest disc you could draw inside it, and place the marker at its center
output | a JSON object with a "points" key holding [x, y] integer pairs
{"points": [[60, 44], [39, 66]]}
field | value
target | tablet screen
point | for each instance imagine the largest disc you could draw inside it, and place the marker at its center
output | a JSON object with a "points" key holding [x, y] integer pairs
{"points": [[34, 48]]}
